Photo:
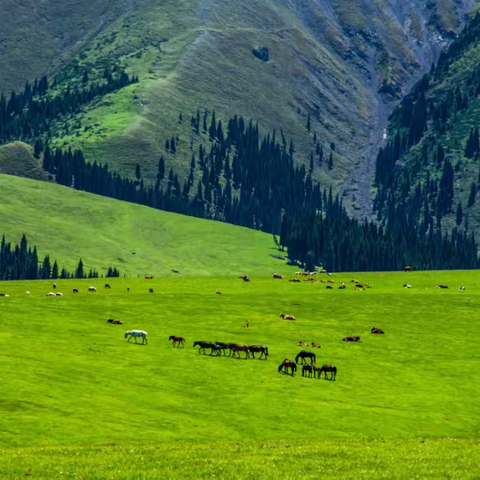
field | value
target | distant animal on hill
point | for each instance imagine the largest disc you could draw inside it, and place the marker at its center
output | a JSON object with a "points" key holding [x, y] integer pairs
{"points": [[294, 280], [148, 277], [342, 287], [442, 286], [351, 339], [114, 322], [107, 286], [308, 370], [407, 286], [302, 344], [355, 281], [2, 294], [303, 355], [27, 292], [313, 280], [332, 369], [137, 334], [175, 271], [204, 345], [277, 275], [263, 350], [287, 365], [245, 278], [218, 292], [329, 287], [54, 286], [247, 325], [241, 348], [359, 286], [58, 294], [150, 290], [462, 288], [75, 290], [287, 317], [315, 345], [330, 281], [92, 289], [51, 294], [128, 289], [407, 269], [177, 341], [377, 331]]}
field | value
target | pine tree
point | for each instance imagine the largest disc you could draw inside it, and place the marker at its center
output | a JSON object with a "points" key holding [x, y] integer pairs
{"points": [[173, 147], [38, 148], [180, 118], [473, 195], [55, 270], [138, 173], [167, 145], [309, 124], [79, 273], [330, 160], [459, 217], [85, 77]]}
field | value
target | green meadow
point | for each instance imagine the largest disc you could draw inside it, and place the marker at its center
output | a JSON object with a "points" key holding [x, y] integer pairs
{"points": [[78, 401]]}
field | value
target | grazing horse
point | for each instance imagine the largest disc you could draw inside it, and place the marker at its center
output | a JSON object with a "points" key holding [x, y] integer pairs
{"points": [[204, 345], [148, 277], [258, 349], [107, 286], [75, 290], [177, 340], [54, 286], [377, 330], [221, 347], [218, 292], [135, 334], [442, 286], [92, 289], [287, 317], [407, 269], [150, 290], [462, 288], [114, 322], [332, 369], [351, 339], [241, 348], [304, 354], [286, 365], [308, 370], [277, 275], [294, 280]]}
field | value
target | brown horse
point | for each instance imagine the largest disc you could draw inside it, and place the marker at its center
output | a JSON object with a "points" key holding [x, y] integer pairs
{"points": [[222, 347], [177, 341], [114, 322], [407, 269], [240, 348], [258, 349], [332, 369], [308, 370], [303, 344], [287, 317], [377, 331], [315, 345], [286, 365], [351, 339]]}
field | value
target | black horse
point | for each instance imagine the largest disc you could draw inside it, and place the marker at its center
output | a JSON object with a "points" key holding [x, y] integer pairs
{"points": [[221, 347], [286, 365], [304, 354], [332, 369], [308, 370], [258, 349], [204, 345]]}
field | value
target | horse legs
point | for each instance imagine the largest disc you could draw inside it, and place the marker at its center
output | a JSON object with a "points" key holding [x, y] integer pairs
{"points": [[129, 338]]}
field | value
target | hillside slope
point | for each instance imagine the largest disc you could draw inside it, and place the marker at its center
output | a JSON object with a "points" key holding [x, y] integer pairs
{"points": [[342, 62], [68, 224]]}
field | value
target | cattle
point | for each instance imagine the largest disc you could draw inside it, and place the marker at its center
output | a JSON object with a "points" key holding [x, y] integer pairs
{"points": [[407, 269], [442, 286], [329, 287], [294, 280], [462, 288], [92, 289], [148, 277], [150, 290], [75, 290], [277, 275], [114, 321], [58, 294], [351, 339], [54, 286], [314, 280], [51, 294], [107, 286], [330, 281], [287, 317], [218, 292], [377, 331], [407, 286], [342, 287]]}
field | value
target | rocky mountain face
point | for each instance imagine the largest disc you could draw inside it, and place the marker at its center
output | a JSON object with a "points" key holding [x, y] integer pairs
{"points": [[343, 63]]}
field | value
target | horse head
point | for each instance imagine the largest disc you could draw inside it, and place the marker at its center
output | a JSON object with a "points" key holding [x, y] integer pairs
{"points": [[127, 334]]}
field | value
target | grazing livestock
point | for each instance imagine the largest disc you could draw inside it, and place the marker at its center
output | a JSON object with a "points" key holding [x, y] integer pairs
{"points": [[92, 289], [442, 286], [245, 278], [177, 341], [315, 345], [407, 286], [323, 271], [222, 347], [377, 331], [137, 334], [359, 286], [308, 370], [294, 280], [277, 275], [247, 325], [204, 345], [58, 294], [287, 317], [240, 348], [148, 277], [218, 292], [329, 287], [54, 286], [51, 294], [303, 355], [288, 365], [107, 286], [2, 294], [150, 290], [332, 369], [310, 280], [175, 271], [253, 349], [27, 292], [330, 281], [342, 287], [351, 339], [75, 290], [114, 322], [355, 281], [302, 344], [407, 269], [462, 288]]}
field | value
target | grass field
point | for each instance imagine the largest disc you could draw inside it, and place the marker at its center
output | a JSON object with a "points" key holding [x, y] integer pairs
{"points": [[76, 398], [69, 224]]}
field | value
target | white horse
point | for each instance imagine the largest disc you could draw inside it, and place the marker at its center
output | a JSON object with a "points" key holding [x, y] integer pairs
{"points": [[135, 334]]}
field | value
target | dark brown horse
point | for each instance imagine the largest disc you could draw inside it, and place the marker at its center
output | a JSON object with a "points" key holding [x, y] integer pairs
{"points": [[377, 331], [286, 365], [258, 349], [222, 347], [204, 345], [308, 370], [332, 369], [304, 355], [177, 341], [351, 339], [240, 348]]}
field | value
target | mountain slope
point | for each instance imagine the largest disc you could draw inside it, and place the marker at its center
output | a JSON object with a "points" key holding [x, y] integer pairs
{"points": [[68, 224], [327, 59]]}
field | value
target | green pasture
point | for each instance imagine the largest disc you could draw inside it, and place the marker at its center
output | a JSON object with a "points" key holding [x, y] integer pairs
{"points": [[76, 397]]}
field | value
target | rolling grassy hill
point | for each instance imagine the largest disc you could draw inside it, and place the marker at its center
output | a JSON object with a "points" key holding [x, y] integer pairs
{"points": [[78, 399], [327, 59], [68, 225]]}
